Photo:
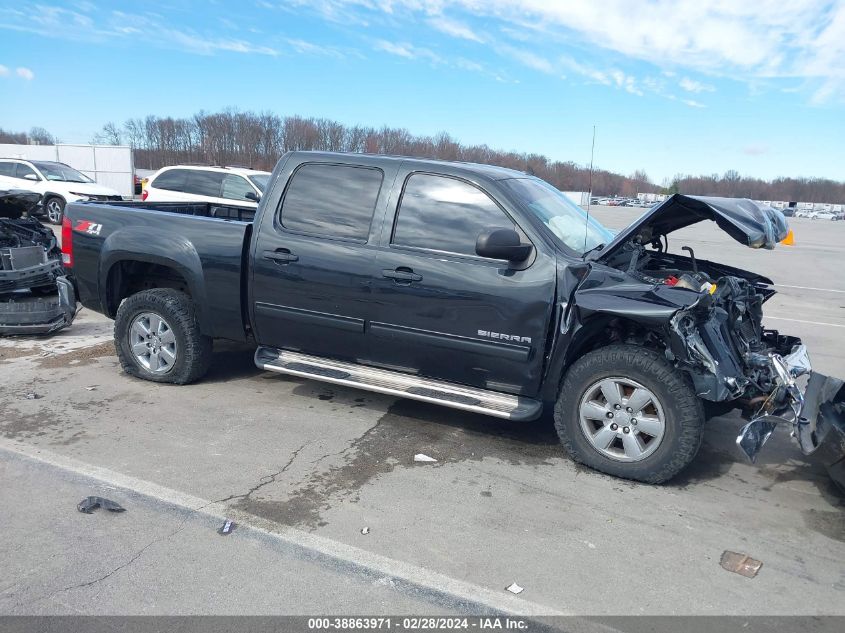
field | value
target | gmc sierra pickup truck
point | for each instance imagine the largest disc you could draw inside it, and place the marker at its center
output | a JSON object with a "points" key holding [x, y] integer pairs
{"points": [[471, 286]]}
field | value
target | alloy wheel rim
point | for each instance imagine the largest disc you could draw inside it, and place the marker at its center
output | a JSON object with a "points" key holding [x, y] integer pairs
{"points": [[153, 343], [54, 210], [622, 419]]}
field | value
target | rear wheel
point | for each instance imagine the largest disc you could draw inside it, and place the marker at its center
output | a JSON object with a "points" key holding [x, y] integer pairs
{"points": [[55, 208], [157, 337], [625, 411]]}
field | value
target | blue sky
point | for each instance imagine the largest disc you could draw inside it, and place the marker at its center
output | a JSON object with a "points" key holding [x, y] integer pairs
{"points": [[689, 86]]}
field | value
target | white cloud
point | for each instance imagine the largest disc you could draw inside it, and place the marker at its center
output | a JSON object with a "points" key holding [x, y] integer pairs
{"points": [[455, 29], [744, 41], [529, 59], [408, 51], [4, 71], [690, 85], [25, 73], [693, 103]]}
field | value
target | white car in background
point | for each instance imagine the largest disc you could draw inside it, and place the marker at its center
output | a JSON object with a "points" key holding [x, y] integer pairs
{"points": [[57, 183], [217, 185], [822, 215]]}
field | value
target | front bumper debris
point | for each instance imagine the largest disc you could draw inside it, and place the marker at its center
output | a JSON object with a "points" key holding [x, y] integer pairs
{"points": [[25, 313], [816, 413]]}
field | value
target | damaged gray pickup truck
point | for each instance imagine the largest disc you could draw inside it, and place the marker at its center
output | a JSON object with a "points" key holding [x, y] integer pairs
{"points": [[35, 294], [470, 286]]}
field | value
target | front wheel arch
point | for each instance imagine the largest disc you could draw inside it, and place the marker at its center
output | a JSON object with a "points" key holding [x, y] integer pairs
{"points": [[684, 414]]}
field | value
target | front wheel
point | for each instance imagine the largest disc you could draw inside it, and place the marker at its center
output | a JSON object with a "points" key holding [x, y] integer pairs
{"points": [[157, 337], [624, 410], [55, 208]]}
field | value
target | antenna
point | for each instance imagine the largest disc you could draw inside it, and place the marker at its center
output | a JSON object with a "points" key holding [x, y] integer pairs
{"points": [[590, 192]]}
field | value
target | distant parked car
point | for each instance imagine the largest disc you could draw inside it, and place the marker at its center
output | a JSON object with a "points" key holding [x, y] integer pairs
{"points": [[221, 185], [802, 213], [822, 215], [56, 182]]}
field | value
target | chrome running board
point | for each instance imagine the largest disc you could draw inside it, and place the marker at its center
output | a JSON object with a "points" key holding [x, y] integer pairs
{"points": [[394, 383]]}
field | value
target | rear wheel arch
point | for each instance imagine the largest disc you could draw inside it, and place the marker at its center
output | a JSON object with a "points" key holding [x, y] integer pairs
{"points": [[127, 277]]}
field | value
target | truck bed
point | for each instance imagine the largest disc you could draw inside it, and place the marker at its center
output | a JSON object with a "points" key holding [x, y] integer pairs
{"points": [[206, 244], [197, 209]]}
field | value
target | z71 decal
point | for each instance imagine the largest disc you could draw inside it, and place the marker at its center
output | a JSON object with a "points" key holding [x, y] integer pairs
{"points": [[86, 226]]}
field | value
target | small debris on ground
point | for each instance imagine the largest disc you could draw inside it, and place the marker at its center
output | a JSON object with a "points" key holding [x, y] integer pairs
{"points": [[514, 588], [741, 564], [89, 504], [32, 396], [365, 530], [91, 388], [422, 457], [227, 527], [590, 545]]}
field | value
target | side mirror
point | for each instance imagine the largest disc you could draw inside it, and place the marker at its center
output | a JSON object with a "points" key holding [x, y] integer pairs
{"points": [[497, 243], [32, 177], [251, 195]]}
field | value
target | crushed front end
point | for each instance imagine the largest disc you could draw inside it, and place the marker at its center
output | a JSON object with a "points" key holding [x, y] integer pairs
{"points": [[35, 295], [715, 331]]}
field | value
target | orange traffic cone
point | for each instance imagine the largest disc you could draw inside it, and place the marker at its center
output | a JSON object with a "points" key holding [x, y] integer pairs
{"points": [[789, 240]]}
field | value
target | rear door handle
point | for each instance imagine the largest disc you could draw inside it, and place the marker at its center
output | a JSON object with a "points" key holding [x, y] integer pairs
{"points": [[401, 274], [281, 256]]}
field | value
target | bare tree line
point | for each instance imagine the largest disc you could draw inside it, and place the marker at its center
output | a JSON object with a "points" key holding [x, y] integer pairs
{"points": [[36, 136], [257, 140]]}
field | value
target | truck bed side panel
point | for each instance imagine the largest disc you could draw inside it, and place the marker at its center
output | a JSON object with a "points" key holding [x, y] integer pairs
{"points": [[206, 252]]}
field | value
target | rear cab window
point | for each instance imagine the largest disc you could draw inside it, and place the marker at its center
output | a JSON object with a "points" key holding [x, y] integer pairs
{"points": [[331, 200], [444, 214]]}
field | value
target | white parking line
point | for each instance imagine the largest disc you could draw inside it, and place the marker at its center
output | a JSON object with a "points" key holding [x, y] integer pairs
{"points": [[431, 580], [776, 318], [810, 288]]}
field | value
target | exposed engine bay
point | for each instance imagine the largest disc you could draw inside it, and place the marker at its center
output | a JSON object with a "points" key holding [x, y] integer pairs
{"points": [[708, 318], [35, 295]]}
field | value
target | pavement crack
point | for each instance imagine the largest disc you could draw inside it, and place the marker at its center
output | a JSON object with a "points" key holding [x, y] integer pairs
{"points": [[135, 557], [266, 479]]}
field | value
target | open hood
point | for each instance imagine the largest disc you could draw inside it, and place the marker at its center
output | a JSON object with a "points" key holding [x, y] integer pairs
{"points": [[749, 223]]}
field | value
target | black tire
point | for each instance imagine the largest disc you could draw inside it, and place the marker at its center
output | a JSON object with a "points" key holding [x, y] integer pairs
{"points": [[54, 209], [683, 412], [193, 349]]}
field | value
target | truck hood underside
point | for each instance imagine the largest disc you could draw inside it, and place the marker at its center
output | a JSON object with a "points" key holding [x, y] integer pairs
{"points": [[749, 223]]}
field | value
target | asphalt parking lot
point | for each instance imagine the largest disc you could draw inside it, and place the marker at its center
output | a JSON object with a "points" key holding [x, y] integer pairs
{"points": [[303, 467]]}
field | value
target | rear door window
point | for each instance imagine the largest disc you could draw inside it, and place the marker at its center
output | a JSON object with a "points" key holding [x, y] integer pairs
{"points": [[332, 200], [7, 169], [445, 214], [171, 180], [205, 183]]}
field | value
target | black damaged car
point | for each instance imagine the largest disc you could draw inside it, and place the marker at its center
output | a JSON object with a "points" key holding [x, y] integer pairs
{"points": [[35, 294], [470, 286]]}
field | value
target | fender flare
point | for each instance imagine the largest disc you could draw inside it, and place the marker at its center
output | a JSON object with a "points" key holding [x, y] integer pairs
{"points": [[133, 244]]}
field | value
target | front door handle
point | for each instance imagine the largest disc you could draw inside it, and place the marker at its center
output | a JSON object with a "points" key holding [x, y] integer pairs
{"points": [[281, 256], [401, 275]]}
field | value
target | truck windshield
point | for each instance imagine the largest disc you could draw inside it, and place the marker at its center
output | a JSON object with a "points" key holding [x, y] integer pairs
{"points": [[565, 219], [61, 173]]}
